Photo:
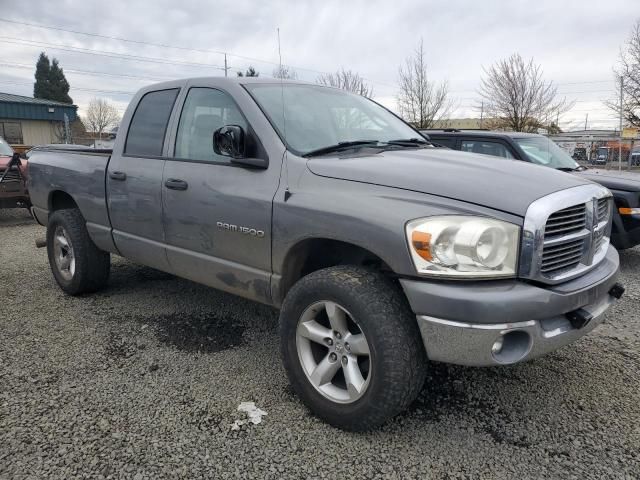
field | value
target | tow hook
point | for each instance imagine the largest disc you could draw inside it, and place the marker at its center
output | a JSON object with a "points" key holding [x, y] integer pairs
{"points": [[579, 318], [616, 291]]}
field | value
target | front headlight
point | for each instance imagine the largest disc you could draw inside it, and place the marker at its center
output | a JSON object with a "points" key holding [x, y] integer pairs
{"points": [[463, 246]]}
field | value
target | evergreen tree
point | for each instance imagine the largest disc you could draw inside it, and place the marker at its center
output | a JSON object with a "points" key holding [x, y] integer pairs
{"points": [[41, 88], [59, 84], [50, 83]]}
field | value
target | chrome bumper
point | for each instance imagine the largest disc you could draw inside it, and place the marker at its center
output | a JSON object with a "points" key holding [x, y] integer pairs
{"points": [[476, 344]]}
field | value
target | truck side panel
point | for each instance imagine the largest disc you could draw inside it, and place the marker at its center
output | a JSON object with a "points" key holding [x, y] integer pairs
{"points": [[81, 176]]}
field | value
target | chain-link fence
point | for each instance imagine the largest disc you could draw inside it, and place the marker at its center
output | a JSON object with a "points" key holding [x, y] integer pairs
{"points": [[609, 155]]}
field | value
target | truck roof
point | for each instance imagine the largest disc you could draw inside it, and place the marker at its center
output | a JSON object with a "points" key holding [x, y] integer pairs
{"points": [[477, 133], [222, 81]]}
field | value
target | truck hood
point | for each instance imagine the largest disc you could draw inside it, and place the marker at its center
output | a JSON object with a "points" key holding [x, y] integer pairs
{"points": [[501, 184], [625, 181]]}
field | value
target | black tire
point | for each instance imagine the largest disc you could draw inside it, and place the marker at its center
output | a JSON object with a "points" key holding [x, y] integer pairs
{"points": [[92, 265], [397, 357]]}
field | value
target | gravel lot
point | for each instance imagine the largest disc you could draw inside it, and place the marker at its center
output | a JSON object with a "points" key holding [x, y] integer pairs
{"points": [[143, 380]]}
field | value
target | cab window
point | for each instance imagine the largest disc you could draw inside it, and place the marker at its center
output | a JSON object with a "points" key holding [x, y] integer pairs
{"points": [[149, 123], [205, 110], [485, 147]]}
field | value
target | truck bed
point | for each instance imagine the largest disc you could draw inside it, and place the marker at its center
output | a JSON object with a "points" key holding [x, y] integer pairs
{"points": [[53, 171]]}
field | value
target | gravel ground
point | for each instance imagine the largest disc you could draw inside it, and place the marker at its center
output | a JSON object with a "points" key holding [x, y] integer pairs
{"points": [[143, 381]]}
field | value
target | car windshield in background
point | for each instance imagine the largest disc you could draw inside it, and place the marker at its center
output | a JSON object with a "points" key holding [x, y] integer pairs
{"points": [[545, 152], [5, 149], [319, 120]]}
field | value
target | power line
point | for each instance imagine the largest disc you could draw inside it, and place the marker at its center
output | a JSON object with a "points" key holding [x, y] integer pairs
{"points": [[103, 53], [5, 63], [112, 92], [220, 52], [140, 42]]}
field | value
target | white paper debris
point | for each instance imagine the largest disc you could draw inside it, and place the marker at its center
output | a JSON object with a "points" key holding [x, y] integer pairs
{"points": [[254, 415]]}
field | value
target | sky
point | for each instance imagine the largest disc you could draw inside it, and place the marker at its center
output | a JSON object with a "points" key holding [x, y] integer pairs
{"points": [[575, 42]]}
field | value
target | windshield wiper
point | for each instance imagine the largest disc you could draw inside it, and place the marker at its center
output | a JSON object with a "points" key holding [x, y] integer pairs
{"points": [[340, 146], [579, 168], [409, 142]]}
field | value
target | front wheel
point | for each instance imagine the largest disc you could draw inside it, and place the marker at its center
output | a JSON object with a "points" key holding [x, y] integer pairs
{"points": [[78, 265], [351, 346]]}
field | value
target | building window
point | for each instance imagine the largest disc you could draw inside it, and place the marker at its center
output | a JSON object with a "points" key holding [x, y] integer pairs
{"points": [[11, 132]]}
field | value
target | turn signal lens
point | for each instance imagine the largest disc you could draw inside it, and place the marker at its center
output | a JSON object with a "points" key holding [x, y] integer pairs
{"points": [[629, 211], [421, 242]]}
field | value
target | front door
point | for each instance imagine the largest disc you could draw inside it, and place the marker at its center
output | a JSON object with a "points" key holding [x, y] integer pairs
{"points": [[134, 182], [217, 214]]}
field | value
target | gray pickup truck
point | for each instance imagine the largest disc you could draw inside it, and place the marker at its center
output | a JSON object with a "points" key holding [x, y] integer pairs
{"points": [[381, 251]]}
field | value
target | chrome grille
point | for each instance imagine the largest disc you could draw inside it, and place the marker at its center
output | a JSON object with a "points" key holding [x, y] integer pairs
{"points": [[603, 209], [566, 221], [562, 256], [565, 234]]}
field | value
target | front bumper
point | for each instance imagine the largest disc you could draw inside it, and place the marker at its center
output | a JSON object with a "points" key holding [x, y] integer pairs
{"points": [[461, 322]]}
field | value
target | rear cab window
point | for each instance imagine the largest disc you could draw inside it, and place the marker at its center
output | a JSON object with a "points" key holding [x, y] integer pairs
{"points": [[149, 123], [449, 142], [486, 147]]}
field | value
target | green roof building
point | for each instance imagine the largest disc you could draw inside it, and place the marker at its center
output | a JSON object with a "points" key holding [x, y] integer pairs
{"points": [[33, 121]]}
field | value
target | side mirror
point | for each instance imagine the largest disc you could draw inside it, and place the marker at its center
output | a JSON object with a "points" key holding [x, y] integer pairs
{"points": [[229, 141]]}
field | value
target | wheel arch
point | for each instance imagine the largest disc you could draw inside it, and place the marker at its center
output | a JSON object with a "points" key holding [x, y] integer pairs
{"points": [[59, 199], [312, 254]]}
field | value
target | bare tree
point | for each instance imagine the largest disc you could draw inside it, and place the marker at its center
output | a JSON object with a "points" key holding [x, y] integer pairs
{"points": [[285, 72], [100, 115], [346, 80], [518, 98], [421, 101], [251, 72], [629, 71]]}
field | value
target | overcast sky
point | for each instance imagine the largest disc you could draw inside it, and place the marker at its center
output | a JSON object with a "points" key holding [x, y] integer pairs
{"points": [[575, 42]]}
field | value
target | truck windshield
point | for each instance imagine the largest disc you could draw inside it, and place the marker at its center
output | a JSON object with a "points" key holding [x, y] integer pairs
{"points": [[5, 149], [545, 152], [316, 117]]}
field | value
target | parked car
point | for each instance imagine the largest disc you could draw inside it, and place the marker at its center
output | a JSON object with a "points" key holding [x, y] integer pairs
{"points": [[542, 151], [13, 170], [379, 250], [602, 156]]}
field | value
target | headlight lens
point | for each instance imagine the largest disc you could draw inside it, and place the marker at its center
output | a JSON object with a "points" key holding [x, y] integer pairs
{"points": [[463, 246]]}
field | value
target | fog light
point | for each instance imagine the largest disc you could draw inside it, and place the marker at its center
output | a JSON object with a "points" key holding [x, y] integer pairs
{"points": [[512, 347], [497, 346]]}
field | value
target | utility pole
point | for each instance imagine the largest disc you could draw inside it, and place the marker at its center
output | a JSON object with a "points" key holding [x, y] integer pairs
{"points": [[586, 120], [226, 69], [620, 141]]}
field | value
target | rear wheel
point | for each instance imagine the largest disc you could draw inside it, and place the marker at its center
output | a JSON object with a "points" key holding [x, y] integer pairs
{"points": [[78, 265], [351, 346]]}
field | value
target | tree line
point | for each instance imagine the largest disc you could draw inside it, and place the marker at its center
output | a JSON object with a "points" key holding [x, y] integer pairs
{"points": [[513, 91]]}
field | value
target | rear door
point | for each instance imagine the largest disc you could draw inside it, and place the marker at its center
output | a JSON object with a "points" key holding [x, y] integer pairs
{"points": [[217, 214], [134, 182]]}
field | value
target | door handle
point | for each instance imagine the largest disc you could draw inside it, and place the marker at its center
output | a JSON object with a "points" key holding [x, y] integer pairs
{"points": [[117, 176], [176, 184]]}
